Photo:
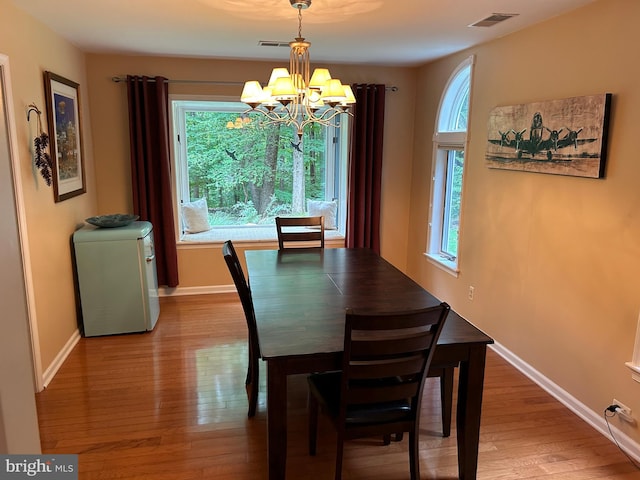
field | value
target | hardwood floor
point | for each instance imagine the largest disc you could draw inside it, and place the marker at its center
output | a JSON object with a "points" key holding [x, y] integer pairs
{"points": [[171, 404]]}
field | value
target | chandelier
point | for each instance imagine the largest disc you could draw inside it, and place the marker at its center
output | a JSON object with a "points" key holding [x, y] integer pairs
{"points": [[292, 97]]}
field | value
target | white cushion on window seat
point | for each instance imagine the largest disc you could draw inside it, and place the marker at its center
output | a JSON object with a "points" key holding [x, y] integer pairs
{"points": [[328, 210], [250, 233], [195, 216]]}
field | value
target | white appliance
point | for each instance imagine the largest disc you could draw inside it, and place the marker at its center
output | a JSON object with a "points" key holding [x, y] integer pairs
{"points": [[117, 278]]}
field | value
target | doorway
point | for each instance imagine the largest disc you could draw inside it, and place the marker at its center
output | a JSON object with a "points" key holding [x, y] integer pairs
{"points": [[18, 416]]}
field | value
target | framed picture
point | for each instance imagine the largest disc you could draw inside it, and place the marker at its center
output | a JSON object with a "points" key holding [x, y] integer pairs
{"points": [[562, 137], [63, 115]]}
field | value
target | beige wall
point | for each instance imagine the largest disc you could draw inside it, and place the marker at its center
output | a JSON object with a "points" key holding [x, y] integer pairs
{"points": [[32, 49], [554, 260], [204, 267]]}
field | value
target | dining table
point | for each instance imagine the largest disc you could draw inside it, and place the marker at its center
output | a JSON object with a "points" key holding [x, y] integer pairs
{"points": [[300, 296]]}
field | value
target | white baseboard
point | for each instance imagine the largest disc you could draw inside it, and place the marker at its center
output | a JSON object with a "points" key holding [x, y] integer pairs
{"points": [[50, 372], [177, 291], [595, 419]]}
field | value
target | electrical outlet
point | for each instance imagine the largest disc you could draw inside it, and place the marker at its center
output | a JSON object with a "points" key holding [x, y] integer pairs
{"points": [[471, 292], [623, 411]]}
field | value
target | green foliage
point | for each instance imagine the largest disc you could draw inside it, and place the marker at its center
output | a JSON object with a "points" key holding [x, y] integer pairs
{"points": [[454, 202], [245, 211], [231, 168]]}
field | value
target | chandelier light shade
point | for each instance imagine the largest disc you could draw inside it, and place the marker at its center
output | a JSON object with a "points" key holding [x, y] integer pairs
{"points": [[293, 96], [240, 122]]}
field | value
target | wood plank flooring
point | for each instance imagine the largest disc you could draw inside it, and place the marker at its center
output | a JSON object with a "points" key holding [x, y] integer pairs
{"points": [[171, 404]]}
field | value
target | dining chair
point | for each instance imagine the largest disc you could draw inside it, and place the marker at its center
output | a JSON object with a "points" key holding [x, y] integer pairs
{"points": [[296, 232], [235, 268], [379, 390]]}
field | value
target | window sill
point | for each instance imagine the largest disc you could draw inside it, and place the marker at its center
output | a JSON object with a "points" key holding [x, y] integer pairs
{"points": [[246, 235], [635, 371], [442, 263]]}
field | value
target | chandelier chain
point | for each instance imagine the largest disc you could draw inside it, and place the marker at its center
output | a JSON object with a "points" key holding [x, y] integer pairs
{"points": [[300, 21]]}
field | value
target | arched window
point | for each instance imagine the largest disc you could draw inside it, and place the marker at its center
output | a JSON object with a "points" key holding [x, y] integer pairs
{"points": [[449, 142]]}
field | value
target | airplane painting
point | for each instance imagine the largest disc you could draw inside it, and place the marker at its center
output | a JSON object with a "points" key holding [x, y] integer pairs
{"points": [[562, 137]]}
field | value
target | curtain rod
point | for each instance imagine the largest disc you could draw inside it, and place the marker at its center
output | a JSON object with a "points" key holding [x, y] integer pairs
{"points": [[209, 82], [214, 82]]}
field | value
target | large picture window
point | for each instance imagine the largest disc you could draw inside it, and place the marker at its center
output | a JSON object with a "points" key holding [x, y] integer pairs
{"points": [[449, 142], [247, 172]]}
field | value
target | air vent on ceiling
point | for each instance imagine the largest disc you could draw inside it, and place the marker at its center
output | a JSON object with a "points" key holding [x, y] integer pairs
{"points": [[272, 43], [492, 19]]}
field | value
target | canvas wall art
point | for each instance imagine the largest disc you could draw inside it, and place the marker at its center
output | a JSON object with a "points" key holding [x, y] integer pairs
{"points": [[561, 137]]}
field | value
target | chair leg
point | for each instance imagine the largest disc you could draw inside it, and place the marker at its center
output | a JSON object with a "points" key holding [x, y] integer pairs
{"points": [[250, 371], [414, 455], [339, 455], [252, 383], [446, 399], [313, 423], [249, 378]]}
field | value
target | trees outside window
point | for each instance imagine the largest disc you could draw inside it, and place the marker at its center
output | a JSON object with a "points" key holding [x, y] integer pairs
{"points": [[248, 171]]}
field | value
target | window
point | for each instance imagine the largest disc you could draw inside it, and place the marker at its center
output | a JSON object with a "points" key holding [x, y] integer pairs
{"points": [[249, 172], [449, 143], [634, 364]]}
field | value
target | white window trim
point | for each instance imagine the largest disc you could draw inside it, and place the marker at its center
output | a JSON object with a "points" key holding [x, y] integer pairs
{"points": [[440, 151], [337, 178], [442, 142], [634, 364]]}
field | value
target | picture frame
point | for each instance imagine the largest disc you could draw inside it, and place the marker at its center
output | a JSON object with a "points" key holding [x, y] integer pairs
{"points": [[62, 97], [562, 137]]}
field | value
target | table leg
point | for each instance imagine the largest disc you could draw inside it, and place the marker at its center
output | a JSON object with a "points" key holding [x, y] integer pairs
{"points": [[470, 385], [276, 419]]}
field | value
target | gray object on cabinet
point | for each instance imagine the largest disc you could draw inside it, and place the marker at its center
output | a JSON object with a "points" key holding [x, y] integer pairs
{"points": [[117, 278]]}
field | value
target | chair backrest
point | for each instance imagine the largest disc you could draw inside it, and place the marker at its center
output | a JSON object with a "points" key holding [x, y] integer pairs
{"points": [[304, 231], [387, 356], [240, 281]]}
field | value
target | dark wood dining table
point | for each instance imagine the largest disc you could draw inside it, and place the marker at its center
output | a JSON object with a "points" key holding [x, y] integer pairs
{"points": [[300, 297]]}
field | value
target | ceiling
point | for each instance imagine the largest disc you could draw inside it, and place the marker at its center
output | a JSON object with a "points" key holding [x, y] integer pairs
{"points": [[376, 32]]}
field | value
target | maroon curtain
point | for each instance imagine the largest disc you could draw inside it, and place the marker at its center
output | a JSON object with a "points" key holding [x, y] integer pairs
{"points": [[151, 168], [365, 168]]}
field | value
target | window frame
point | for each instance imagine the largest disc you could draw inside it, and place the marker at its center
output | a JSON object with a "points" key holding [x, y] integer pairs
{"points": [[447, 138], [336, 164]]}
